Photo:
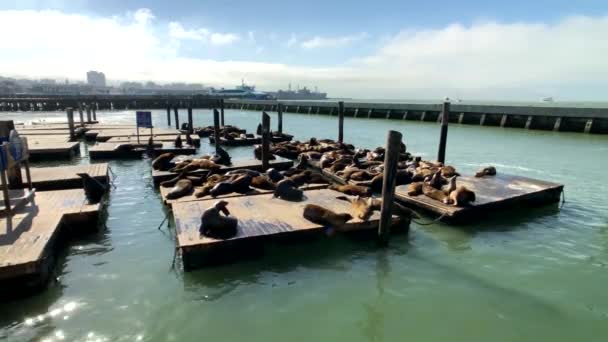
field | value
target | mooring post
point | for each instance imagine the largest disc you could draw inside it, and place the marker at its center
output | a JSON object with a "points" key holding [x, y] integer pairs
{"points": [[443, 137], [280, 115], [391, 159], [88, 113], [190, 123], [70, 113], [222, 112], [175, 112], [265, 140], [216, 129], [340, 121], [168, 115], [94, 111], [80, 112]]}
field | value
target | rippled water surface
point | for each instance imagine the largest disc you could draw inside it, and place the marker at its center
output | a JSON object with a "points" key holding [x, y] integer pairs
{"points": [[538, 276]]}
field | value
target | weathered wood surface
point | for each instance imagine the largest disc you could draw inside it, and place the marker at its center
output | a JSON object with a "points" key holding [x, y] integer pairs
{"points": [[54, 150], [190, 197], [259, 217], [105, 134], [17, 199], [157, 138], [237, 141], [108, 151], [27, 238], [492, 193], [252, 164], [64, 177]]}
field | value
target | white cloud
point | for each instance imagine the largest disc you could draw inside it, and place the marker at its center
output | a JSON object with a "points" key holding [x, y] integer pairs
{"points": [[292, 40], [319, 42], [482, 60]]}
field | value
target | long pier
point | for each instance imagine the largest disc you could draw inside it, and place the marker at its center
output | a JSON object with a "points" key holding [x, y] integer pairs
{"points": [[551, 118]]}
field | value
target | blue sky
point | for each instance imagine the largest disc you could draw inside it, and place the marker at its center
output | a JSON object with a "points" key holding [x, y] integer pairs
{"points": [[342, 45]]}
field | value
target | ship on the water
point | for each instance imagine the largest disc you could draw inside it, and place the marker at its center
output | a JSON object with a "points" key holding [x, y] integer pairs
{"points": [[299, 94], [242, 91]]}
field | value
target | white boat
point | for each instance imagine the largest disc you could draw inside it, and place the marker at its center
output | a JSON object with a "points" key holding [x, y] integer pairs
{"points": [[547, 99]]}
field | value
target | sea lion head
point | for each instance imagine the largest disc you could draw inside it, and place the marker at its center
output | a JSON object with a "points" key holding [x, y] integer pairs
{"points": [[222, 205]]}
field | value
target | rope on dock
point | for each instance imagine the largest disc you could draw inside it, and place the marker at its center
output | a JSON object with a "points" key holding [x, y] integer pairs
{"points": [[428, 223]]}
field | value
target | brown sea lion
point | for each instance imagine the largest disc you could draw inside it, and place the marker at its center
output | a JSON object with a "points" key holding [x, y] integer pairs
{"points": [[216, 226], [274, 175], [361, 208], [301, 178], [287, 190], [316, 178], [461, 197], [123, 148], [221, 188], [448, 171], [197, 180], [414, 189], [241, 184], [326, 161], [353, 190], [93, 189], [171, 182], [437, 181], [181, 188], [262, 182], [325, 217], [302, 162], [204, 190], [451, 186], [163, 162], [189, 140], [486, 171], [433, 193], [178, 141], [221, 157]]}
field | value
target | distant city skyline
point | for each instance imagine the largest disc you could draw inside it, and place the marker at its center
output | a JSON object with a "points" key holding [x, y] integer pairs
{"points": [[516, 50]]}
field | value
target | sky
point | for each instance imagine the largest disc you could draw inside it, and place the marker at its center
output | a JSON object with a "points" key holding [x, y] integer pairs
{"points": [[397, 49]]}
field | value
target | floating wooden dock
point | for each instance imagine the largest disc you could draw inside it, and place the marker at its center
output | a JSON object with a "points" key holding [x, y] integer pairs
{"points": [[108, 151], [260, 218], [493, 193], [52, 150], [103, 135], [168, 139], [252, 164], [190, 197], [236, 141], [64, 177], [29, 239]]}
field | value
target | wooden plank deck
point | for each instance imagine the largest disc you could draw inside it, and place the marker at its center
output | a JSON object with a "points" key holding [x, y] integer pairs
{"points": [[107, 151], [28, 238], [54, 150], [252, 164], [106, 134], [237, 141], [157, 138], [260, 218], [189, 198], [493, 193], [64, 177]]}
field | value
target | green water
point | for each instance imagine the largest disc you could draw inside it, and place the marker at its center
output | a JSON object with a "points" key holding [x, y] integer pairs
{"points": [[539, 276]]}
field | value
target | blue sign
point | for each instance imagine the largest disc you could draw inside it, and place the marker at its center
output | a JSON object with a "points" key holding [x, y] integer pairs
{"points": [[144, 119]]}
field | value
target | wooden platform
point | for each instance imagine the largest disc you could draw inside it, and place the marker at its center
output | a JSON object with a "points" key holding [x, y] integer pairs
{"points": [[189, 198], [169, 139], [493, 193], [252, 164], [247, 141], [108, 151], [17, 199], [51, 150], [260, 218], [64, 177], [103, 135], [28, 239]]}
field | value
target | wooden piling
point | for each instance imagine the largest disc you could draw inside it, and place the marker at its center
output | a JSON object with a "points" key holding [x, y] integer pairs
{"points": [[70, 114], [94, 111], [168, 115], [175, 112], [88, 108], [341, 121], [280, 115], [443, 136], [265, 140], [588, 126], [80, 113], [216, 129], [190, 123], [222, 112], [558, 123], [391, 159]]}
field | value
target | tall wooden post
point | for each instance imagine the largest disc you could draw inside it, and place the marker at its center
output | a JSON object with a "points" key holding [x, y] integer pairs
{"points": [[80, 113], [443, 137], [70, 114], [190, 123], [265, 140], [280, 115], [94, 111], [341, 121], [176, 117], [222, 111], [168, 115], [391, 159], [216, 129], [88, 113]]}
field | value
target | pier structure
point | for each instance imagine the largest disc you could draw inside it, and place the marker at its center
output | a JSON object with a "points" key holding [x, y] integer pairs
{"points": [[541, 117]]}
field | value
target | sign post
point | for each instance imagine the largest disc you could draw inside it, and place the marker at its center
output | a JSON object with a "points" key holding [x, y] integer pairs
{"points": [[143, 119]]}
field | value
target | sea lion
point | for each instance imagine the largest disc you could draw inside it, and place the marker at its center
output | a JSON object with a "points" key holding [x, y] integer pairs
{"points": [[221, 157], [274, 175], [262, 182], [326, 217], [326, 161], [486, 171], [171, 182], [197, 180], [182, 188], [189, 140], [251, 173], [461, 197], [448, 171], [301, 178], [123, 148], [451, 186], [178, 141], [437, 181], [361, 208], [241, 184], [353, 190], [163, 162], [204, 190], [414, 189], [258, 131], [316, 178], [435, 194], [287, 190], [302, 162], [221, 188], [216, 226], [93, 189]]}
